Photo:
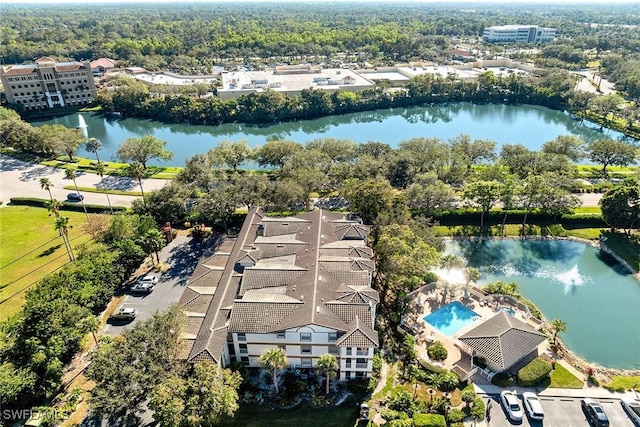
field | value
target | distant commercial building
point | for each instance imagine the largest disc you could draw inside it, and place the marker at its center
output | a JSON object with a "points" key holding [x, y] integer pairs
{"points": [[47, 84], [291, 80], [102, 65], [518, 34]]}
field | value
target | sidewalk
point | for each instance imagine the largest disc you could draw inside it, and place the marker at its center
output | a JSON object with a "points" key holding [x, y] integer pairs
{"points": [[593, 392]]}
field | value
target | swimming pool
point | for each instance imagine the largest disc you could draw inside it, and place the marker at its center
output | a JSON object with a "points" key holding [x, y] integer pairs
{"points": [[508, 310], [451, 318]]}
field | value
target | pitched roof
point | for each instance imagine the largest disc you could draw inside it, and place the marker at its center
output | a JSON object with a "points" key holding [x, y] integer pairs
{"points": [[359, 335], [103, 62], [503, 340]]}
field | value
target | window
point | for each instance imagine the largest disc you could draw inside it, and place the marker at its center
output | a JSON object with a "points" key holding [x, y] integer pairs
{"points": [[305, 349], [362, 352], [243, 349], [361, 362], [280, 335], [242, 336], [305, 336], [306, 363], [333, 336], [245, 360], [347, 363], [349, 351], [333, 349]]}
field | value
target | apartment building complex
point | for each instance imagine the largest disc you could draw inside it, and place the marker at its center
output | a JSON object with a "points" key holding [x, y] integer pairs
{"points": [[300, 283], [518, 34], [48, 84]]}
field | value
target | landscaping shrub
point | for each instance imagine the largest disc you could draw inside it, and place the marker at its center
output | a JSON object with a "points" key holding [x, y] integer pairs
{"points": [[502, 379], [534, 372], [455, 415], [390, 414], [429, 420], [400, 400], [437, 351], [401, 423], [448, 381]]}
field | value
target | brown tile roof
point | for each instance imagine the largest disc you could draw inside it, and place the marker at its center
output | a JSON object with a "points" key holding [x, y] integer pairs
{"points": [[103, 62], [503, 340], [359, 335]]}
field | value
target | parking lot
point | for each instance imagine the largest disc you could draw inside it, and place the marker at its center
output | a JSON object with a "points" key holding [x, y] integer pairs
{"points": [[181, 257], [560, 412]]}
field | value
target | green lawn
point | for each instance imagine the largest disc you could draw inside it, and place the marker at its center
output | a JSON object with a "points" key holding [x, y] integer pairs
{"points": [[31, 249], [562, 378], [619, 383], [344, 415]]}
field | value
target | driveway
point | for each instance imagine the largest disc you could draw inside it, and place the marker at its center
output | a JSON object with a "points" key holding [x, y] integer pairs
{"points": [[181, 257], [22, 179]]}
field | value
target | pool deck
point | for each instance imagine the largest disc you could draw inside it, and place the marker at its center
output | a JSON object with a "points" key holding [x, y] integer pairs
{"points": [[430, 299]]}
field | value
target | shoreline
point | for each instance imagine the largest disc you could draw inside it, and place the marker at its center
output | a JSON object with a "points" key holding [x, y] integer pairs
{"points": [[569, 355]]}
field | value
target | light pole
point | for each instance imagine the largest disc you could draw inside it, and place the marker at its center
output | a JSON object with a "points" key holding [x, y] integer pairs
{"points": [[415, 391], [431, 392]]}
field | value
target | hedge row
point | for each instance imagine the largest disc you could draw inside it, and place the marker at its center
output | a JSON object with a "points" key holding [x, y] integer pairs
{"points": [[534, 372], [472, 217], [66, 206]]}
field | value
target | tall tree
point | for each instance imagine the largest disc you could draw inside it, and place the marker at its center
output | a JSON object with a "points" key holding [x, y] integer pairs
{"points": [[328, 365], [143, 149], [621, 206], [275, 360], [71, 174], [46, 184], [62, 225], [609, 152], [201, 398], [567, 145], [484, 194], [137, 171], [558, 326], [54, 207], [93, 146], [276, 153], [230, 154], [152, 241]]}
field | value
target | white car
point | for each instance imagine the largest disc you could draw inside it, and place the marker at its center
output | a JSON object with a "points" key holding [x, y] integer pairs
{"points": [[533, 406], [509, 401], [149, 279], [633, 409]]}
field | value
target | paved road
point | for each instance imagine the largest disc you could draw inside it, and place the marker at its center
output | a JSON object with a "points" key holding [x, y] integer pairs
{"points": [[22, 179], [559, 412], [181, 256]]}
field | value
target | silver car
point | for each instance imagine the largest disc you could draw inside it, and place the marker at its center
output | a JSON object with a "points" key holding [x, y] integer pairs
{"points": [[509, 401]]}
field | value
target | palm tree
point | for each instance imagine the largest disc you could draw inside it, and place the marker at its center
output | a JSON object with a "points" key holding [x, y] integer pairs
{"points": [[46, 184], [328, 365], [94, 145], [449, 262], [558, 326], [137, 171], [62, 225], [71, 174], [100, 171], [90, 324], [275, 359], [471, 274], [152, 242], [54, 207]]}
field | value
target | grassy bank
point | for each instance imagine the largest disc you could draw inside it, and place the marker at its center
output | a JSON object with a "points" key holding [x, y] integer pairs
{"points": [[31, 249]]}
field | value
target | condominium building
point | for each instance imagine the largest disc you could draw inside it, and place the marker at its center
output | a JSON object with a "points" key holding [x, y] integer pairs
{"points": [[48, 84], [301, 283], [518, 34]]}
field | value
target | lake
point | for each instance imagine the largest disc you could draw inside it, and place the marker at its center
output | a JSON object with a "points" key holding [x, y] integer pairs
{"points": [[529, 125]]}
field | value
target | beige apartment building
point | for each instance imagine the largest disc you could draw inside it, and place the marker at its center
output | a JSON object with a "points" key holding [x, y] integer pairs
{"points": [[47, 84]]}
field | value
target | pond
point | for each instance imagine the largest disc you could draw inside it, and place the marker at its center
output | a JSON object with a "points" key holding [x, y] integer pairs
{"points": [[571, 281], [529, 125]]}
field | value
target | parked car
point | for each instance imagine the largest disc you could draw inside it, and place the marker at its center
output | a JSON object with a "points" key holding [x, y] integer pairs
{"points": [[149, 278], [633, 409], [594, 412], [533, 406], [142, 288], [75, 197], [124, 313], [509, 401]]}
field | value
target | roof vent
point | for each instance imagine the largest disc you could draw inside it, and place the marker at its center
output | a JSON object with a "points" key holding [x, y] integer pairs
{"points": [[301, 297], [318, 309]]}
